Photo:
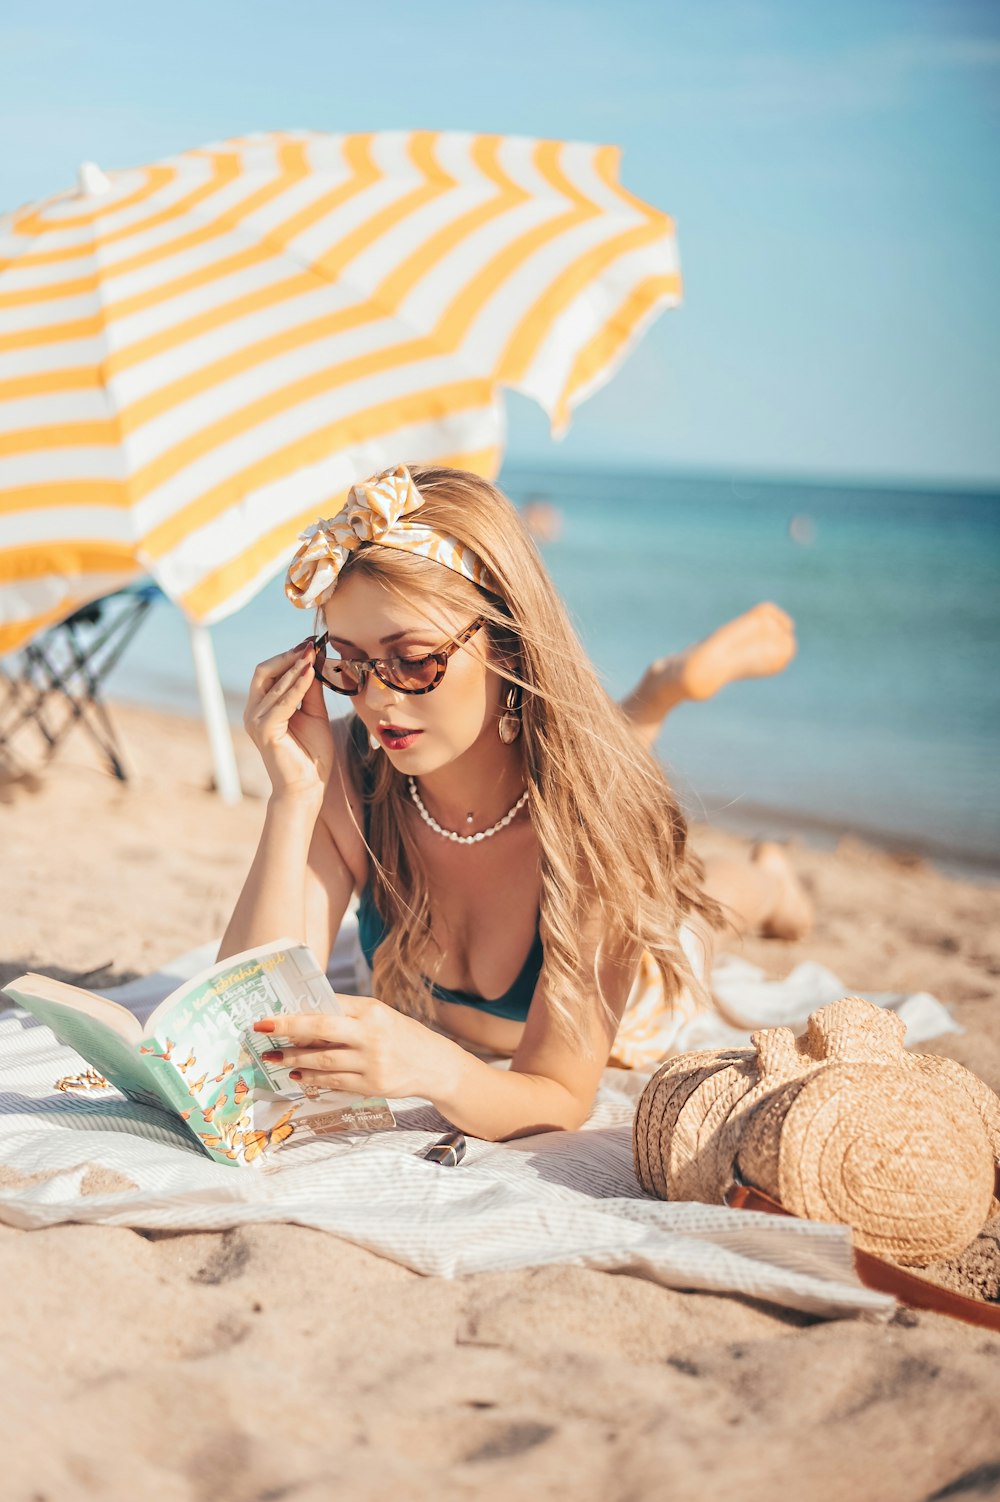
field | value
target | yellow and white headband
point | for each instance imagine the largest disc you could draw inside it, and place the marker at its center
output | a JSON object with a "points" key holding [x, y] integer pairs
{"points": [[377, 510]]}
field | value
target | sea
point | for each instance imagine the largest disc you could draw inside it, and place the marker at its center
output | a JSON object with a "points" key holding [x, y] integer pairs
{"points": [[886, 724]]}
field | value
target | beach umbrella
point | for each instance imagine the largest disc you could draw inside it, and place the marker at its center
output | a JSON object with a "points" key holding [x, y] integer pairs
{"points": [[200, 356]]}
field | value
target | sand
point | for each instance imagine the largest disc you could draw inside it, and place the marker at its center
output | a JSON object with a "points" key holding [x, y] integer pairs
{"points": [[277, 1361]]}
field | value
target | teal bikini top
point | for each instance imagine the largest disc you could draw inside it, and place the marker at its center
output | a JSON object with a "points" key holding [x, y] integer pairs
{"points": [[513, 1004]]}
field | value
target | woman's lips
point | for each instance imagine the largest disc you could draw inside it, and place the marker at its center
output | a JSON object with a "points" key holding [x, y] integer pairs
{"points": [[397, 737]]}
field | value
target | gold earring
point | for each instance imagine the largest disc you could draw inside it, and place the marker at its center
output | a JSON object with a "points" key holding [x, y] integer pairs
{"points": [[509, 725]]}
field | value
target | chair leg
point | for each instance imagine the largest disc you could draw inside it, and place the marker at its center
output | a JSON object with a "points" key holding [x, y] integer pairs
{"points": [[76, 683], [26, 699]]}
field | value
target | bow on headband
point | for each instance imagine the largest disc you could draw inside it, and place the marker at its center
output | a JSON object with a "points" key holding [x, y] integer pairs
{"points": [[376, 511]]}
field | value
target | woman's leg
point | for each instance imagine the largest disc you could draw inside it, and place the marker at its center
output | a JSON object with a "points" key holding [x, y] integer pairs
{"points": [[754, 645], [762, 894]]}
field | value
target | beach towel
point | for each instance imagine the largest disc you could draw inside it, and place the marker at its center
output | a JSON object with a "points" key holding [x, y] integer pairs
{"points": [[556, 1197]]}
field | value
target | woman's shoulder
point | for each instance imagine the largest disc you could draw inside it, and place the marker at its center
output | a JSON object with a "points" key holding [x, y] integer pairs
{"points": [[343, 805]]}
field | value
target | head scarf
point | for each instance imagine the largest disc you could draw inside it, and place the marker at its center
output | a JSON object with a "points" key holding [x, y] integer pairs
{"points": [[378, 510]]}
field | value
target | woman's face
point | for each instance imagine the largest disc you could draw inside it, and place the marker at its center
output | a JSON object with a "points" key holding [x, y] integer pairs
{"points": [[419, 732]]}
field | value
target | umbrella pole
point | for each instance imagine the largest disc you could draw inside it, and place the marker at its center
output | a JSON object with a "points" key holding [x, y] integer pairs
{"points": [[213, 708]]}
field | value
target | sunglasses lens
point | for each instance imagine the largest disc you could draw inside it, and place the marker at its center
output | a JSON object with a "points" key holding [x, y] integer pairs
{"points": [[410, 674], [340, 675]]}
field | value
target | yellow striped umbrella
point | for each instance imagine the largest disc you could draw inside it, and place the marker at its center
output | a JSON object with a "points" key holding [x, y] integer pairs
{"points": [[199, 356]]}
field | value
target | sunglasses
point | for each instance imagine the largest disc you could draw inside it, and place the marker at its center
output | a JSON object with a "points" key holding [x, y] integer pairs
{"points": [[407, 675]]}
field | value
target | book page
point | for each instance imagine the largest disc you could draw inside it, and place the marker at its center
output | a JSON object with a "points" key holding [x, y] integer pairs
{"points": [[217, 975], [94, 1041], [239, 1105], [110, 1014], [227, 1000]]}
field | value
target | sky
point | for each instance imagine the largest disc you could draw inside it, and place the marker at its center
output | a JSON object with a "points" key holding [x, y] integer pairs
{"points": [[834, 173]]}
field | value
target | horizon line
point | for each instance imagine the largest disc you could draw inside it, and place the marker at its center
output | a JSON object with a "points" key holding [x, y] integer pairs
{"points": [[754, 475]]}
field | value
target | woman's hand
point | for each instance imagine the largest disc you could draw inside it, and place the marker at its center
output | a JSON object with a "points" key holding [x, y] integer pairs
{"points": [[370, 1050], [286, 719]]}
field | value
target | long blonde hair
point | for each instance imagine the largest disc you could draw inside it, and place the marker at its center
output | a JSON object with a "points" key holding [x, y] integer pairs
{"points": [[610, 832]]}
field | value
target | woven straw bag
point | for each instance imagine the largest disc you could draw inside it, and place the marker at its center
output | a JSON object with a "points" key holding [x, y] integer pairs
{"points": [[841, 1124]]}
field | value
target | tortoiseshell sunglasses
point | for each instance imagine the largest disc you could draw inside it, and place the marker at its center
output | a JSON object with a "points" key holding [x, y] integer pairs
{"points": [[407, 675]]}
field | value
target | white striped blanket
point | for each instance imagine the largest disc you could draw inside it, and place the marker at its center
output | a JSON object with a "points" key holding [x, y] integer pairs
{"points": [[555, 1197]]}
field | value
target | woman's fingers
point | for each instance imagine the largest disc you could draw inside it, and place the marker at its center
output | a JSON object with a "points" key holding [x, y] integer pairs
{"points": [[265, 673], [321, 1056], [297, 748], [310, 1061], [269, 673], [317, 1041], [306, 1025], [318, 1060], [294, 681], [313, 702], [306, 1030], [370, 1047], [354, 1084]]}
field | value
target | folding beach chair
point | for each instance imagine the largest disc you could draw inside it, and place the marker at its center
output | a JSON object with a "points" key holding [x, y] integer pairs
{"points": [[58, 681]]}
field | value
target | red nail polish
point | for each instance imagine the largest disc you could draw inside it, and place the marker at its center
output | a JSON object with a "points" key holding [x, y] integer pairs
{"points": [[264, 1026], [295, 1074], [272, 1056]]}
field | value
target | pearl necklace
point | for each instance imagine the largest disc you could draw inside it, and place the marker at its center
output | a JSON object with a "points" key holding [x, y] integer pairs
{"points": [[451, 834]]}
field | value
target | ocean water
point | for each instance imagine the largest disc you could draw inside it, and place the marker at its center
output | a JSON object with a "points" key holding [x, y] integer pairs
{"points": [[888, 721]]}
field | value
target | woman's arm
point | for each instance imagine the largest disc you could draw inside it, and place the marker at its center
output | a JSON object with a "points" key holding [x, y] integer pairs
{"points": [[272, 904], [552, 1080], [551, 1084], [299, 884]]}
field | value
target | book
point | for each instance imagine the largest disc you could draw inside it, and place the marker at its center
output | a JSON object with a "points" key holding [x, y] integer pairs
{"points": [[198, 1057]]}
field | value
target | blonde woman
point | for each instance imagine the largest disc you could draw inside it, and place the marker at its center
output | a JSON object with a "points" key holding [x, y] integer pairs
{"points": [[526, 887]]}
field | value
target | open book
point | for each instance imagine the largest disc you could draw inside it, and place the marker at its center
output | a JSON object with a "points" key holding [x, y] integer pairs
{"points": [[198, 1057]]}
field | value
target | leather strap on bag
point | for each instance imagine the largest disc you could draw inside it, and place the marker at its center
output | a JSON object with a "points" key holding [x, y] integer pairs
{"points": [[886, 1277]]}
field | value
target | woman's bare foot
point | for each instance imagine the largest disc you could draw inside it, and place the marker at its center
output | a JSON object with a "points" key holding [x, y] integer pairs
{"points": [[754, 645], [792, 914]]}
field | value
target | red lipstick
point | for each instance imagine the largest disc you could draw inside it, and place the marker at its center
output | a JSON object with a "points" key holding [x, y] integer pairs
{"points": [[397, 737]]}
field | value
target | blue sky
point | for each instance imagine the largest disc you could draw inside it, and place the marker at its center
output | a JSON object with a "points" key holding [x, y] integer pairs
{"points": [[833, 170]]}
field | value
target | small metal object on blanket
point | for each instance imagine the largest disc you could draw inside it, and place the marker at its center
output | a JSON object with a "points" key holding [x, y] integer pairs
{"points": [[449, 1150]]}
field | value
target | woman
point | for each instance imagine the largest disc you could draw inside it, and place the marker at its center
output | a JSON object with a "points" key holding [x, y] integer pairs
{"points": [[523, 866]]}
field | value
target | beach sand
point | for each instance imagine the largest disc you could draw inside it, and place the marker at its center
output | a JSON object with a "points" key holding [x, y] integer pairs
{"points": [[278, 1361]]}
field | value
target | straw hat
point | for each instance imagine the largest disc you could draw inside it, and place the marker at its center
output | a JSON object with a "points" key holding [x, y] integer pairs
{"points": [[842, 1124], [662, 1102]]}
